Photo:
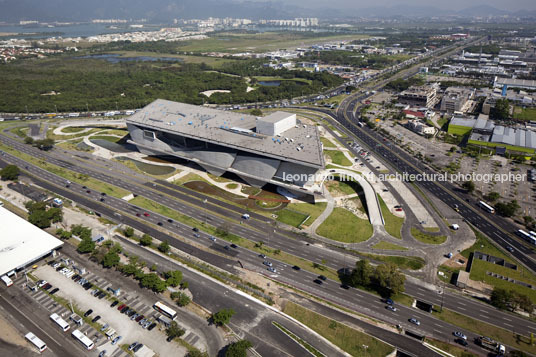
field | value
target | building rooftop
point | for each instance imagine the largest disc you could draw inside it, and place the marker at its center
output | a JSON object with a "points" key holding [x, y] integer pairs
{"points": [[468, 122], [22, 242], [300, 143], [515, 137]]}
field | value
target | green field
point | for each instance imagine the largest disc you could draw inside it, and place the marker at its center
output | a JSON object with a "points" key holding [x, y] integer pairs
{"points": [[327, 143], [427, 238], [458, 130], [291, 217], [526, 114], [388, 246], [313, 210], [338, 158], [215, 62], [393, 224], [411, 263], [72, 129], [350, 340], [343, 226]]}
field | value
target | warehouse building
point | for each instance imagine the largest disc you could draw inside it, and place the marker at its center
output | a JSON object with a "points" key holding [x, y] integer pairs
{"points": [[275, 149], [22, 243]]}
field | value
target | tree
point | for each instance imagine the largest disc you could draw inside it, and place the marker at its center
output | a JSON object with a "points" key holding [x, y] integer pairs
{"points": [[153, 282], [501, 109], [110, 259], [507, 209], [238, 349], [28, 140], [10, 173], [500, 298], [63, 234], [529, 221], [389, 278], [362, 273], [55, 214], [164, 247], [39, 218], [86, 245], [493, 196], [45, 144], [129, 269], [256, 112], [184, 285], [223, 317], [183, 300], [174, 330], [196, 353], [173, 278], [129, 232], [522, 301], [146, 240], [469, 186], [81, 231]]}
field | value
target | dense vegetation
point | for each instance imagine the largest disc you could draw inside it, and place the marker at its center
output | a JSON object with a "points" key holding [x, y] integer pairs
{"points": [[355, 59], [67, 84], [399, 85]]}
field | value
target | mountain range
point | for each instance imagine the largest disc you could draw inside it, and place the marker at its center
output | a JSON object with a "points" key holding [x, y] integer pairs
{"points": [[12, 11]]}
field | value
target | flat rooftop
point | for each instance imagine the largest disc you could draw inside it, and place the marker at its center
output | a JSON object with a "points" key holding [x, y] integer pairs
{"points": [[22, 243], [299, 144]]}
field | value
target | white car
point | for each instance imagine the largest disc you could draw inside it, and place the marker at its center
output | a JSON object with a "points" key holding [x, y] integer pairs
{"points": [[42, 283]]}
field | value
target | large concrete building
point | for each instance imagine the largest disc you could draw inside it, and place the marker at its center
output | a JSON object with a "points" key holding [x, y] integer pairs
{"points": [[272, 149], [456, 98], [22, 243], [421, 96]]}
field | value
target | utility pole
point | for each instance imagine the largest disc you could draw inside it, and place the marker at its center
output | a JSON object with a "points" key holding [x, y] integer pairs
{"points": [[205, 204]]}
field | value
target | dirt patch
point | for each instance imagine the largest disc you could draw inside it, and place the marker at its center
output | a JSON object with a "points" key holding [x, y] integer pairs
{"points": [[269, 286], [11, 336], [455, 262]]}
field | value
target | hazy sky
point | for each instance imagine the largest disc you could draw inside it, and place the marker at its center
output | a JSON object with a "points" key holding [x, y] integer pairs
{"points": [[511, 5]]}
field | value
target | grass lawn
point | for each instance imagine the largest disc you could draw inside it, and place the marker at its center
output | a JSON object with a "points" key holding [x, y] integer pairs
{"points": [[187, 178], [291, 217], [388, 245], [411, 263], [112, 139], [72, 129], [211, 61], [455, 350], [427, 238], [343, 188], [231, 186], [276, 78], [337, 157], [343, 226], [73, 145], [327, 143], [51, 135], [309, 209], [393, 224], [20, 131], [525, 114], [485, 329], [350, 340]]}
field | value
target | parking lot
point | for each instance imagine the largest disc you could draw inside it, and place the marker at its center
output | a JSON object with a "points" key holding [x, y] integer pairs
{"points": [[119, 324]]}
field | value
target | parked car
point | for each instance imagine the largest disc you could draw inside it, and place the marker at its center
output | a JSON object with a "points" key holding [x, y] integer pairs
{"points": [[115, 340], [96, 318], [138, 347], [138, 318], [121, 306], [152, 326], [46, 286], [114, 303], [88, 312], [55, 290], [132, 345]]}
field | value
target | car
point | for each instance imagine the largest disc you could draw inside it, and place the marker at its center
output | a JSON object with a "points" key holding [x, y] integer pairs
{"points": [[391, 307], [459, 334], [132, 314], [389, 301], [103, 353], [94, 292], [56, 266], [41, 283], [137, 214], [273, 270], [114, 303], [196, 235], [104, 327], [195, 229], [322, 277], [152, 326], [88, 191], [88, 312], [262, 256], [87, 285], [138, 347], [142, 322], [101, 295], [103, 194], [84, 187], [318, 281], [398, 209], [226, 247], [139, 318], [102, 199], [267, 263], [96, 318], [51, 263], [212, 238], [295, 267], [510, 249], [147, 324], [55, 290], [170, 220], [46, 286], [115, 340], [234, 246], [345, 286], [125, 309], [121, 307], [146, 214], [160, 223], [76, 276], [132, 345], [461, 341], [170, 338], [415, 321]]}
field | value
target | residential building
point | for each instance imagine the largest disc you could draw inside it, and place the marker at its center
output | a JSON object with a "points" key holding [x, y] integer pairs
{"points": [[419, 96], [456, 98]]}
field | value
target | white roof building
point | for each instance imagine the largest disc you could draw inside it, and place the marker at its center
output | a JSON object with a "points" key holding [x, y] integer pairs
{"points": [[22, 243]]}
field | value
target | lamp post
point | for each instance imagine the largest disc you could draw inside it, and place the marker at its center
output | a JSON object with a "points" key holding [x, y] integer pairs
{"points": [[205, 204]]}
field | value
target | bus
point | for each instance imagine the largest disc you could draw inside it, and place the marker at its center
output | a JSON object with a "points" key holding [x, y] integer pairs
{"points": [[487, 207], [83, 339], [6, 280], [526, 236], [165, 310], [60, 322], [41, 346], [532, 234]]}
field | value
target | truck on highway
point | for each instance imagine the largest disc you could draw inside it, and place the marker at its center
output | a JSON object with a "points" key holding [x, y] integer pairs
{"points": [[491, 344]]}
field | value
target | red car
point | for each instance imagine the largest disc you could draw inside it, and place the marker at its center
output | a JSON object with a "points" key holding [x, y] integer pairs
{"points": [[137, 214], [121, 306], [398, 209], [146, 214]]}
